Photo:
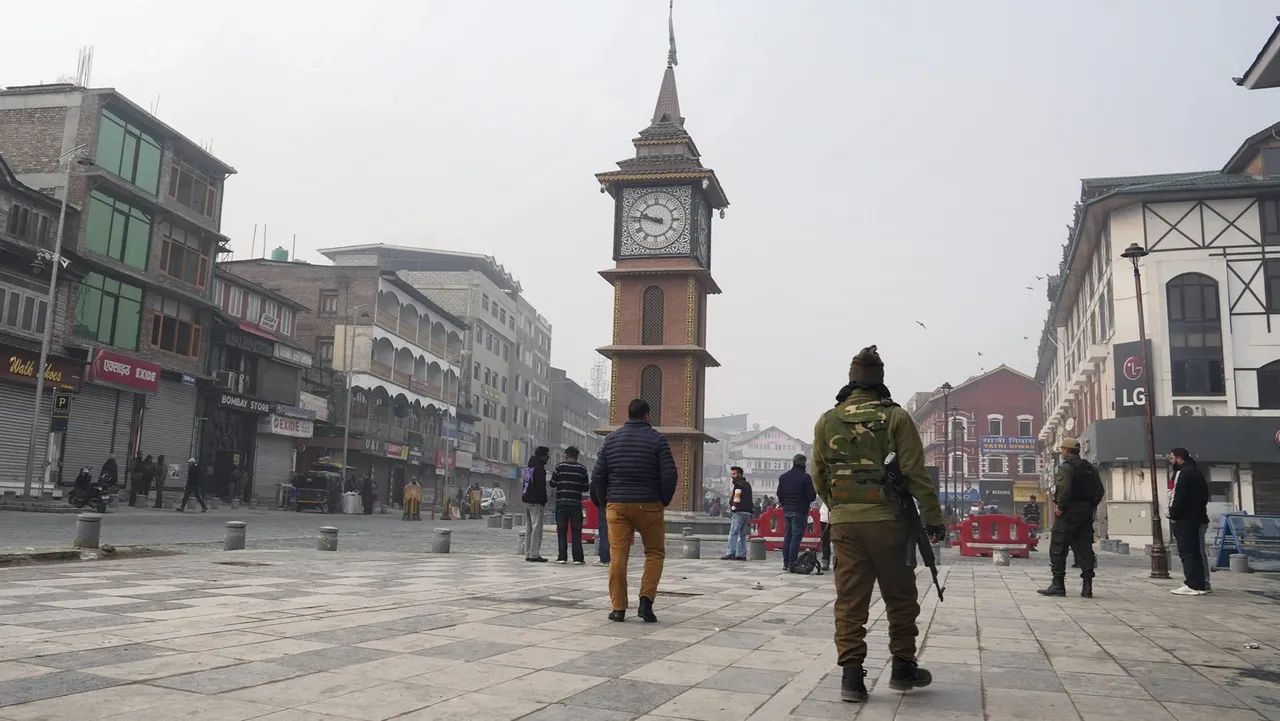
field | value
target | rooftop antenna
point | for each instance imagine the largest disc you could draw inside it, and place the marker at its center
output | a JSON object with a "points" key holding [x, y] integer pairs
{"points": [[264, 240], [294, 253], [155, 107], [84, 66], [253, 244]]}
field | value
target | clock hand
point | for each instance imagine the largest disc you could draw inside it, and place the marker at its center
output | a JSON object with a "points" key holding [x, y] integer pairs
{"points": [[652, 219]]}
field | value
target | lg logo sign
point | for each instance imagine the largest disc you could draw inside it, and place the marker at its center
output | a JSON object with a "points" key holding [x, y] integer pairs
{"points": [[1131, 397], [1133, 367]]}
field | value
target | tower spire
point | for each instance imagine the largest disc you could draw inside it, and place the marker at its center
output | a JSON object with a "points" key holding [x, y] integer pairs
{"points": [[671, 32]]}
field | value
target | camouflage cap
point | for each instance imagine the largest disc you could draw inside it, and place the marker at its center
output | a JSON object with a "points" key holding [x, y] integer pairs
{"points": [[867, 367], [1070, 443]]}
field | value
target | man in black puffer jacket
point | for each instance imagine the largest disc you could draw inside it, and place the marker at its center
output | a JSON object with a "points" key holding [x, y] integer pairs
{"points": [[534, 496], [636, 476], [796, 495]]}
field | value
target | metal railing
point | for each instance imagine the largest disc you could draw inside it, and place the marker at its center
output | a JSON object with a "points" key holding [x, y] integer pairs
{"points": [[406, 380], [390, 322]]}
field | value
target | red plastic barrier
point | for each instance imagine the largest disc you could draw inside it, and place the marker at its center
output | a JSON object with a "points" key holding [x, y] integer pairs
{"points": [[980, 535], [590, 521], [775, 524]]}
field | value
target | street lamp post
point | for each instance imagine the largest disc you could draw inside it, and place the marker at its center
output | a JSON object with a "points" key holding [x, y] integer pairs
{"points": [[946, 444], [1159, 554], [46, 335], [346, 414]]}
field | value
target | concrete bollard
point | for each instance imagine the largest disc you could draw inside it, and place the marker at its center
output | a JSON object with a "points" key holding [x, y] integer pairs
{"points": [[1146, 550], [686, 531], [1000, 557], [233, 539], [692, 547], [214, 503], [494, 521], [1122, 548], [235, 504], [520, 545], [519, 519], [88, 530], [755, 549], [440, 541], [508, 522], [1239, 563], [328, 539]]}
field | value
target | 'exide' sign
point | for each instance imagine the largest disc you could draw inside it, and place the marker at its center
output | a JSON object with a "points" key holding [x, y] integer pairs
{"points": [[110, 367]]}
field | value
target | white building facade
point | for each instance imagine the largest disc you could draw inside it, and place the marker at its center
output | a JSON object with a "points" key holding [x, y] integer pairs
{"points": [[1211, 302], [764, 454]]}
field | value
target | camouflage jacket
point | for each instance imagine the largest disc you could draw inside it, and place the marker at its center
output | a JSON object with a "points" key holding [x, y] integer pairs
{"points": [[903, 440]]}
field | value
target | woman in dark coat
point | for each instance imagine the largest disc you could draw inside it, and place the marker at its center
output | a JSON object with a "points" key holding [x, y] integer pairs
{"points": [[367, 494]]}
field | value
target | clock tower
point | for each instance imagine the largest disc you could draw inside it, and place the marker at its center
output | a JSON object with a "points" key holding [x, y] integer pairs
{"points": [[664, 200]]}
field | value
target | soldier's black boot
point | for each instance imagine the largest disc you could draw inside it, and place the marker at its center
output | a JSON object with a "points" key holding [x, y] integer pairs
{"points": [[1086, 588], [853, 686], [907, 675], [1057, 588], [645, 611]]}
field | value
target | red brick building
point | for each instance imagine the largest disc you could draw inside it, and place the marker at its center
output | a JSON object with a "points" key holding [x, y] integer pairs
{"points": [[992, 444]]}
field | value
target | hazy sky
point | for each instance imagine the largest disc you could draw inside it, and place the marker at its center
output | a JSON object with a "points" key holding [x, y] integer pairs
{"points": [[887, 162]]}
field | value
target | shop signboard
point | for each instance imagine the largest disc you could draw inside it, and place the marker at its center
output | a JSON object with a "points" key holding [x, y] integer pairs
{"points": [[314, 403], [286, 426], [397, 450], [20, 367], [120, 370], [291, 355], [1131, 379], [281, 409], [1006, 445], [461, 459], [244, 403]]}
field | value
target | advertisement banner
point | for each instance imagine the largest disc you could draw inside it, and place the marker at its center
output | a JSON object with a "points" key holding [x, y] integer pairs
{"points": [[1131, 379], [398, 450], [110, 367], [282, 409], [314, 403], [1006, 445], [461, 459], [998, 494], [286, 426]]}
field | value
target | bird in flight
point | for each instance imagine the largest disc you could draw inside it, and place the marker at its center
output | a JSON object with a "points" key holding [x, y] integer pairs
{"points": [[979, 352], [1030, 288], [922, 325]]}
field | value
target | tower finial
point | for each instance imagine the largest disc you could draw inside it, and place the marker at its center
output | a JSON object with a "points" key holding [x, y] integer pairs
{"points": [[671, 31]]}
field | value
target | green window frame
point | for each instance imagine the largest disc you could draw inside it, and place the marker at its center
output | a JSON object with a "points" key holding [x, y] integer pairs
{"points": [[128, 151], [117, 230], [108, 311]]}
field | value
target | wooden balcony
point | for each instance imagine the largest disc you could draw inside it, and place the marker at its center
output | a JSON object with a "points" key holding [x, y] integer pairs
{"points": [[390, 322], [407, 381]]}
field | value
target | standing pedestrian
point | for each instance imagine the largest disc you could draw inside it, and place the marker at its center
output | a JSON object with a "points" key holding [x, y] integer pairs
{"points": [[796, 496], [146, 471], [237, 483], [533, 493], [570, 480], [194, 476], [367, 494], [740, 506], [1077, 491], [1189, 521], [868, 534], [602, 530], [824, 517], [636, 477], [110, 473], [162, 477], [1031, 514]]}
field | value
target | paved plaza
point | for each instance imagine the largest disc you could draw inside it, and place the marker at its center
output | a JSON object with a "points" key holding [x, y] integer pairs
{"points": [[295, 635]]}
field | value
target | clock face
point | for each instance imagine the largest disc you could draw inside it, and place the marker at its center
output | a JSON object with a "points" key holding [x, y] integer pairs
{"points": [[655, 219]]}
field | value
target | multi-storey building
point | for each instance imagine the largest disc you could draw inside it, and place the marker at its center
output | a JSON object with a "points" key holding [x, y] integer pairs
{"points": [[1210, 293], [403, 355], [252, 419], [28, 224], [982, 438], [150, 205], [575, 414], [478, 290], [715, 455], [764, 454]]}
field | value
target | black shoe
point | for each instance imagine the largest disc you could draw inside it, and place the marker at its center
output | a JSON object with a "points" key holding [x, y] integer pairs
{"points": [[853, 685], [729, 557], [645, 611], [826, 565], [739, 558], [907, 675], [538, 559], [1056, 588], [1086, 588], [618, 616]]}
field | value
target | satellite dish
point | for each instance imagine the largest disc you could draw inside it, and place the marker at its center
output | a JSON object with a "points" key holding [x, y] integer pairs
{"points": [[755, 426], [1071, 424]]}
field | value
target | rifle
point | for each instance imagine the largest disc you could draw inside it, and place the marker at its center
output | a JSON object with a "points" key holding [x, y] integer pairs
{"points": [[915, 527]]}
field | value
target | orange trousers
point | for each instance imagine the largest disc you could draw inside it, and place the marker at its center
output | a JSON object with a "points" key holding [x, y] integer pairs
{"points": [[625, 520]]}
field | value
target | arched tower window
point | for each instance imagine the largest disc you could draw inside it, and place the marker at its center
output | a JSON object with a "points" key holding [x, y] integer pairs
{"points": [[651, 392], [651, 316], [1195, 336], [1269, 386]]}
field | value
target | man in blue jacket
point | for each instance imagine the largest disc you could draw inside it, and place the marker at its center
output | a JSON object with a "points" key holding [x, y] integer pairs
{"points": [[636, 477], [796, 495]]}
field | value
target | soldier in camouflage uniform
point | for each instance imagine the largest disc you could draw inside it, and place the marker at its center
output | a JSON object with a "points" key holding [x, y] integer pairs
{"points": [[868, 537], [1077, 490]]}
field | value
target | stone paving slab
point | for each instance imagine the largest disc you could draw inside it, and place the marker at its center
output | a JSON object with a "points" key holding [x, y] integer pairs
{"points": [[307, 636]]}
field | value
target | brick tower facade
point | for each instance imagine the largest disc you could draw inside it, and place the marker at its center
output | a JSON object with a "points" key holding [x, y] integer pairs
{"points": [[664, 200]]}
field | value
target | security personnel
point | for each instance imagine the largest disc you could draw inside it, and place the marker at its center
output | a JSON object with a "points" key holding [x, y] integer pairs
{"points": [[869, 539], [1077, 490]]}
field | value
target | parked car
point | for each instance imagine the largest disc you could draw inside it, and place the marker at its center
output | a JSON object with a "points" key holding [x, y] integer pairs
{"points": [[493, 500]]}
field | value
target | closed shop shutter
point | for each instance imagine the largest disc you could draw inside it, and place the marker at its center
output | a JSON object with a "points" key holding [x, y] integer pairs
{"points": [[1266, 491], [272, 463], [98, 427], [167, 426], [15, 404]]}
